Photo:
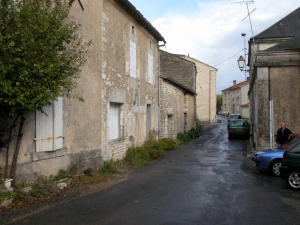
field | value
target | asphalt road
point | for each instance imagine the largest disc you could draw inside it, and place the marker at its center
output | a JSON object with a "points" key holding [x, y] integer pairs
{"points": [[206, 181]]}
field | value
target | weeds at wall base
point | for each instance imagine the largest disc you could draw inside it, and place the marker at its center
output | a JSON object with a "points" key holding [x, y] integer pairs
{"points": [[46, 187]]}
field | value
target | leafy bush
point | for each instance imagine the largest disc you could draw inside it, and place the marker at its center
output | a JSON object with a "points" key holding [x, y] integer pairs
{"points": [[61, 175], [108, 168], [193, 133], [22, 184], [168, 143], [6, 195], [43, 186], [198, 128], [183, 137], [154, 149], [137, 156], [76, 167]]}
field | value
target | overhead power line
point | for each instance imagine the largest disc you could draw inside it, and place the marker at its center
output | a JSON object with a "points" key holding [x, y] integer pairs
{"points": [[224, 60]]}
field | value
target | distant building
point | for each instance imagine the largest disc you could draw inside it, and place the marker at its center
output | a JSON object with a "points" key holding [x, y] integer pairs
{"points": [[177, 95], [206, 100], [235, 99]]}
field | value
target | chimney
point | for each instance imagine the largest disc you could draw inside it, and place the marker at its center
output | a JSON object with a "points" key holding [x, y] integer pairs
{"points": [[234, 82]]}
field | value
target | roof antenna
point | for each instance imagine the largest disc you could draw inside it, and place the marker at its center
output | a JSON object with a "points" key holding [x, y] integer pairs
{"points": [[247, 3]]}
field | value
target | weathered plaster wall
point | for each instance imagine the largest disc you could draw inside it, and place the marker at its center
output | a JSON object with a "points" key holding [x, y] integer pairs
{"points": [[261, 88], [226, 102], [285, 96], [104, 79], [244, 94], [245, 112], [82, 120], [206, 91]]}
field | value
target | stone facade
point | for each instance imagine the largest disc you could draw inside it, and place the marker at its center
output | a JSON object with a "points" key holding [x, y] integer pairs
{"points": [[274, 83], [177, 95], [107, 87], [274, 72], [206, 100]]}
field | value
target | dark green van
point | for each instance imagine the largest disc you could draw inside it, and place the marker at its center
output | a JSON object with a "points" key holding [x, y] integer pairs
{"points": [[290, 167]]}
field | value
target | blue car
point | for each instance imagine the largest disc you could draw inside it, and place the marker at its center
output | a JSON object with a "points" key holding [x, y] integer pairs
{"points": [[270, 159]]}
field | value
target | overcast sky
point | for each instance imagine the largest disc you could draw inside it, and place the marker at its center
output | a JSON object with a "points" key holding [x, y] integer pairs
{"points": [[210, 30]]}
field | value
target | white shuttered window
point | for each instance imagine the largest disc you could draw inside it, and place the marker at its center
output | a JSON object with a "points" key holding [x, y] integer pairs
{"points": [[132, 62], [114, 121], [150, 68], [49, 128]]}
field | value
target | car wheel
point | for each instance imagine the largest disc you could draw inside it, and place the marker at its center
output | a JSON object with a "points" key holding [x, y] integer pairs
{"points": [[293, 179], [274, 168]]}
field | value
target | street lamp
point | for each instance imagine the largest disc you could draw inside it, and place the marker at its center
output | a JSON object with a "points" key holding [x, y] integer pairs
{"points": [[241, 63], [244, 35]]}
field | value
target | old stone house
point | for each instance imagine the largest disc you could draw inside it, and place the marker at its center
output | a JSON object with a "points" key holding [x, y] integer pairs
{"points": [[274, 61], [206, 102], [235, 99], [177, 95], [119, 85]]}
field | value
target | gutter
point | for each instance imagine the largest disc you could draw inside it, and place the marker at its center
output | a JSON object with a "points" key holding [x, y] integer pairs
{"points": [[158, 94]]}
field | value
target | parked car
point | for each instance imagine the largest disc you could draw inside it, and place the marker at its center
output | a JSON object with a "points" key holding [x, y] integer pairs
{"points": [[290, 167], [270, 159], [238, 127], [234, 117]]}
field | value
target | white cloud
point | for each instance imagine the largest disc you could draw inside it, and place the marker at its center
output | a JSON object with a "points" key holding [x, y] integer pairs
{"points": [[212, 33]]}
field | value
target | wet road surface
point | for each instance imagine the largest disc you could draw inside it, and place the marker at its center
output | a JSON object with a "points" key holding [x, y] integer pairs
{"points": [[205, 181]]}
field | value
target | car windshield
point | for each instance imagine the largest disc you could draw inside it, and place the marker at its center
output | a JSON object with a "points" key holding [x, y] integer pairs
{"points": [[295, 149], [235, 117], [239, 123]]}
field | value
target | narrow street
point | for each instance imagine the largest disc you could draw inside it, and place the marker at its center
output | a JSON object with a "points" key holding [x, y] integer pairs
{"points": [[209, 181]]}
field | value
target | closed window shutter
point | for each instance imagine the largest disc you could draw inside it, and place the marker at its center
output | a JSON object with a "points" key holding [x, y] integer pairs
{"points": [[150, 68], [49, 128], [58, 124], [114, 121], [44, 130], [132, 62]]}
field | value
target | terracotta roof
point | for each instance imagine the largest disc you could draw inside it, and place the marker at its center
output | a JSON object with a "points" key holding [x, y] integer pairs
{"points": [[130, 9], [288, 26], [245, 105], [239, 85]]}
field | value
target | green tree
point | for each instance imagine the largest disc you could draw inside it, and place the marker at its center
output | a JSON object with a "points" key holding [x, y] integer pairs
{"points": [[219, 102], [41, 55]]}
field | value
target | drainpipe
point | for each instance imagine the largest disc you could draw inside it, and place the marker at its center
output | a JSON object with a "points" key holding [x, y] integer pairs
{"points": [[139, 105], [158, 94], [209, 96], [195, 96]]}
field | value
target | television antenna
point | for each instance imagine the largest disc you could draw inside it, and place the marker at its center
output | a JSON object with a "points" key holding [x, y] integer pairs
{"points": [[247, 3]]}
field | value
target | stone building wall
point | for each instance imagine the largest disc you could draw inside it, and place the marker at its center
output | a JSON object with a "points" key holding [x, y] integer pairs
{"points": [[285, 100], [104, 79], [206, 91], [177, 96], [177, 110], [275, 73]]}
